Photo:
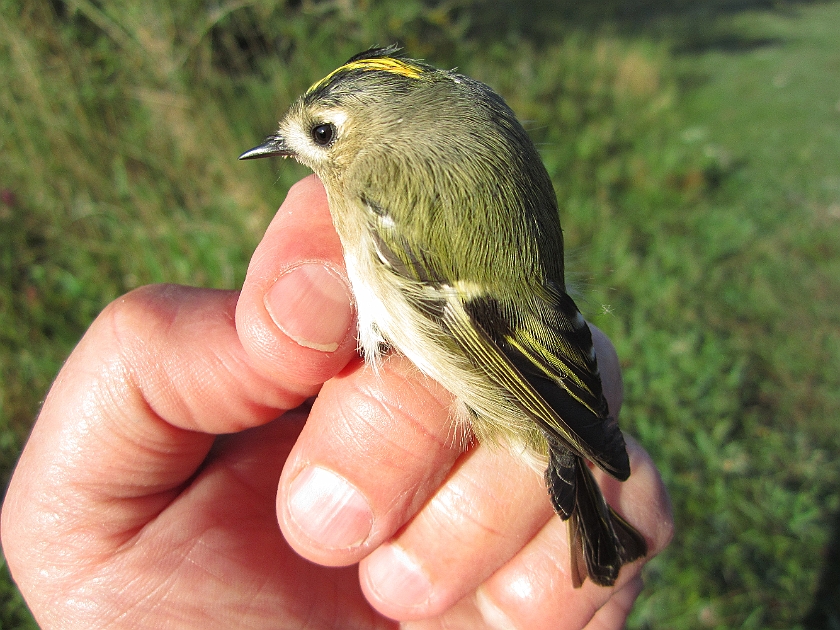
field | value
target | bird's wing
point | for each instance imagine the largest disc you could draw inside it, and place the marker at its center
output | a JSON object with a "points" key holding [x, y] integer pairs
{"points": [[541, 353], [548, 367]]}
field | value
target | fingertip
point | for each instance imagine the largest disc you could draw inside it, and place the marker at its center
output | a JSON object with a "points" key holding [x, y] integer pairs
{"points": [[396, 583], [614, 613], [610, 369], [309, 191], [295, 314], [326, 509], [643, 499], [307, 289], [375, 445]]}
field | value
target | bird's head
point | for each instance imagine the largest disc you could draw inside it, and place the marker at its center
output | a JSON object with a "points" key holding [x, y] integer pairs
{"points": [[369, 102]]}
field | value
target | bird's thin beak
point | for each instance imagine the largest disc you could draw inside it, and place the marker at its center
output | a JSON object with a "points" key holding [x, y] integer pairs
{"points": [[273, 146]]}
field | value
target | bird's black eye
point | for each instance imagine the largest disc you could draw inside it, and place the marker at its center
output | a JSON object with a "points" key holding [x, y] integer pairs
{"points": [[323, 134]]}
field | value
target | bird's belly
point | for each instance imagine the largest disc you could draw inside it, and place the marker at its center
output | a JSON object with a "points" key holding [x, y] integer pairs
{"points": [[387, 317]]}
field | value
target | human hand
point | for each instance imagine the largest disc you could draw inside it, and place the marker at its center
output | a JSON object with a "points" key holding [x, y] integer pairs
{"points": [[150, 489]]}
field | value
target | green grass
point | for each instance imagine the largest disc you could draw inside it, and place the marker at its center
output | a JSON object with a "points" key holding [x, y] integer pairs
{"points": [[694, 148], [759, 274]]}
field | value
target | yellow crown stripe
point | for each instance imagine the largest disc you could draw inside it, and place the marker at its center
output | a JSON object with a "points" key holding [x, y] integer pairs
{"points": [[383, 64]]}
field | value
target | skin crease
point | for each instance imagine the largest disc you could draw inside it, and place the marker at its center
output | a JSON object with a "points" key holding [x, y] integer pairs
{"points": [[129, 510]]}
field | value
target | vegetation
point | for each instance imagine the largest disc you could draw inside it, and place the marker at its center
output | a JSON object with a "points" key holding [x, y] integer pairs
{"points": [[694, 150]]}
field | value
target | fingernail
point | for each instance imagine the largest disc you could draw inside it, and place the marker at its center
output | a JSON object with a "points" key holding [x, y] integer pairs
{"points": [[330, 511], [397, 578], [311, 304], [493, 616]]}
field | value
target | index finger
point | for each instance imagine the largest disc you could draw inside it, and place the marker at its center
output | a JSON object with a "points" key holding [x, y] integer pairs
{"points": [[295, 315]]}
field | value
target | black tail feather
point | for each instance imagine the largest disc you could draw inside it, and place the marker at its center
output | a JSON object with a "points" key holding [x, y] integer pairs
{"points": [[600, 540]]}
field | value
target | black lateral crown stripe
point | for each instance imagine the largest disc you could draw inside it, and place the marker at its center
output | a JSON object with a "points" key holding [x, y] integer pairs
{"points": [[377, 52]]}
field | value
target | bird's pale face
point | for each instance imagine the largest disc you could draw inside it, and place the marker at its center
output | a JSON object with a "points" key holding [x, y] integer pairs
{"points": [[317, 136]]}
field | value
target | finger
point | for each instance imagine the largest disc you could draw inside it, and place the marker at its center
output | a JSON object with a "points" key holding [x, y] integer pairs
{"points": [[610, 369], [451, 547], [375, 446], [295, 316], [479, 612], [644, 502], [535, 589], [490, 506], [613, 614]]}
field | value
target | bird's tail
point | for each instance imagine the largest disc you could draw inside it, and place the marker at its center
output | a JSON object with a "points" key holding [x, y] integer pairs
{"points": [[600, 541]]}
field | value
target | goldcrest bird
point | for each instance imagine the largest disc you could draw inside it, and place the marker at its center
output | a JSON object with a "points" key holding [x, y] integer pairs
{"points": [[452, 240]]}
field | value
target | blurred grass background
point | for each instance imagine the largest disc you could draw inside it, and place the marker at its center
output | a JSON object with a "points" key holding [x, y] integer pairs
{"points": [[695, 149]]}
